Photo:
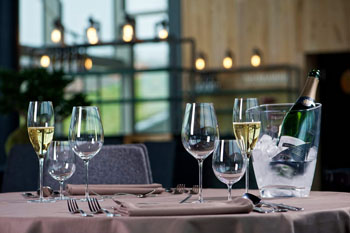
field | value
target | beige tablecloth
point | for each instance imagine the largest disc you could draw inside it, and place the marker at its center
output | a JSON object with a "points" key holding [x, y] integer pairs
{"points": [[326, 212]]}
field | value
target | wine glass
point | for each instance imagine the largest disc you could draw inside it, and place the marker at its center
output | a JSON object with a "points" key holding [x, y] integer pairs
{"points": [[246, 128], [40, 124], [228, 163], [198, 134], [60, 163], [86, 136]]}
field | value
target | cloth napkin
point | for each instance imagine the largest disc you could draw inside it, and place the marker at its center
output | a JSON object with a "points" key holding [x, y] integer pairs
{"points": [[110, 189], [237, 205]]}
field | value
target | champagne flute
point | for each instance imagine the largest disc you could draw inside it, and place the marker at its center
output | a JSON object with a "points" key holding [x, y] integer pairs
{"points": [[228, 163], [246, 128], [40, 124], [86, 136], [60, 163], [198, 134]]}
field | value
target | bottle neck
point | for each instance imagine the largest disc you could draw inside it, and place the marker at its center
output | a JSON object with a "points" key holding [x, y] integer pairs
{"points": [[310, 88]]}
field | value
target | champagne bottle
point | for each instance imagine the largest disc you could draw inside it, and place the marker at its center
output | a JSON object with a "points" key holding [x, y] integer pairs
{"points": [[297, 131], [297, 126]]}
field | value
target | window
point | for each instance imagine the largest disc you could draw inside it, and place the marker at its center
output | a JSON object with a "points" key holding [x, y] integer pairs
{"points": [[129, 83]]}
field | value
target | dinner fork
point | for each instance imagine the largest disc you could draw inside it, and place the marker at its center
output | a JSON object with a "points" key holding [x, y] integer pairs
{"points": [[74, 208], [95, 208], [180, 188]]}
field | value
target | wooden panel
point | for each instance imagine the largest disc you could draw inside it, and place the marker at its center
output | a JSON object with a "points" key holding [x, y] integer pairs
{"points": [[283, 30], [326, 25]]}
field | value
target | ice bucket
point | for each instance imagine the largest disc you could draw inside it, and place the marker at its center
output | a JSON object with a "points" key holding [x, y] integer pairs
{"points": [[283, 169]]}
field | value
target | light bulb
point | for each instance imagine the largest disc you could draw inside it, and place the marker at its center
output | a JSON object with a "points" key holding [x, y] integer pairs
{"points": [[163, 34], [200, 63], [88, 63], [128, 32], [56, 35], [227, 62], [92, 35], [255, 60], [45, 61]]}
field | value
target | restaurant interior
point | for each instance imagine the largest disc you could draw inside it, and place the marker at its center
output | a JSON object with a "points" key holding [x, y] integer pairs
{"points": [[140, 62]]}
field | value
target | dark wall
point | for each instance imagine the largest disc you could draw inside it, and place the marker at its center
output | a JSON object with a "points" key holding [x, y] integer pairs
{"points": [[335, 158], [8, 59]]}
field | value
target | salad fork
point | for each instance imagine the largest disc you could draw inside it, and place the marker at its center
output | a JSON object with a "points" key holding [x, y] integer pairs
{"points": [[95, 208], [74, 208], [180, 188]]}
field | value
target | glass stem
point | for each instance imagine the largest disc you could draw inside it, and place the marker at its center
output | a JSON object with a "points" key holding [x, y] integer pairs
{"points": [[41, 166], [247, 176], [200, 164], [229, 188], [61, 190], [86, 162]]}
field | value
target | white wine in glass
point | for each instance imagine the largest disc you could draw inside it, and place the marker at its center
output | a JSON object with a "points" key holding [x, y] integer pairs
{"points": [[86, 136], [246, 128], [40, 124]]}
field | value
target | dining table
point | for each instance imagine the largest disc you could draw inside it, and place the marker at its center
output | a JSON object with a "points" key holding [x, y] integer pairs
{"points": [[326, 212]]}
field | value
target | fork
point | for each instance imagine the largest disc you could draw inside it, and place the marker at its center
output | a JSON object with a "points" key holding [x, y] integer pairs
{"points": [[195, 189], [74, 208], [180, 189], [95, 208]]}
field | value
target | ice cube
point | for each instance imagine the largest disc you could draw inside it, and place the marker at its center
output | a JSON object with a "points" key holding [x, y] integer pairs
{"points": [[312, 155]]}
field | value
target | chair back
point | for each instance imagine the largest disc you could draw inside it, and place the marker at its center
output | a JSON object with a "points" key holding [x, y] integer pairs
{"points": [[114, 164], [22, 170]]}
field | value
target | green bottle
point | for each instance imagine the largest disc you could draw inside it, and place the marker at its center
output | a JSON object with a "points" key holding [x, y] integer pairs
{"points": [[299, 123], [297, 132]]}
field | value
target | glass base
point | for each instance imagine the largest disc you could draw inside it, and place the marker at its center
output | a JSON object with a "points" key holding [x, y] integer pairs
{"points": [[272, 191], [62, 198], [198, 201], [42, 201]]}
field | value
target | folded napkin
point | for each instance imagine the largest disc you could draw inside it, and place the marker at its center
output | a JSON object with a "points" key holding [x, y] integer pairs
{"points": [[110, 189], [237, 205]]}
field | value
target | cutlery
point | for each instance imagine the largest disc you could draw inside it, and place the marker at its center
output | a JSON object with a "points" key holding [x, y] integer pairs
{"points": [[257, 201], [95, 208], [180, 189], [73, 208], [29, 195], [262, 210], [186, 198], [142, 195], [195, 189]]}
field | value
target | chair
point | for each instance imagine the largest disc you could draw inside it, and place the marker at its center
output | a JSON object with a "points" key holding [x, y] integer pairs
{"points": [[22, 171], [114, 164], [161, 149]]}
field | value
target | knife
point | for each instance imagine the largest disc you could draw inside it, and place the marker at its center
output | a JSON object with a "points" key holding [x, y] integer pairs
{"points": [[186, 198]]}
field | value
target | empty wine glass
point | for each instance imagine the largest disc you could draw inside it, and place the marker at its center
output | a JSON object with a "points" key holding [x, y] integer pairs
{"points": [[198, 134], [60, 163], [40, 124], [246, 127], [86, 136], [228, 163]]}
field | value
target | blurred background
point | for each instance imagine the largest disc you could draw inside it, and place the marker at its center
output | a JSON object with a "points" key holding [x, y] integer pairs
{"points": [[141, 61]]}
